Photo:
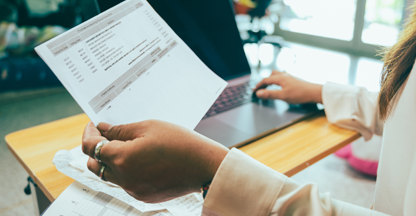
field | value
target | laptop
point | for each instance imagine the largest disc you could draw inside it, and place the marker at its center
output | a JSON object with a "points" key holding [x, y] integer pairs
{"points": [[210, 30]]}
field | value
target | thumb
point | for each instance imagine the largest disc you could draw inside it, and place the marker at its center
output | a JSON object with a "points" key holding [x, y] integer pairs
{"points": [[269, 94], [120, 132], [104, 127]]}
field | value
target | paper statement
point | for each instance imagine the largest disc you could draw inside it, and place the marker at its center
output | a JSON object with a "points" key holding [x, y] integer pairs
{"points": [[127, 65], [73, 163], [80, 200]]}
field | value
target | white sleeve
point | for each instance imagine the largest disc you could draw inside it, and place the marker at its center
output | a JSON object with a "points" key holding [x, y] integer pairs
{"points": [[243, 186], [353, 108]]}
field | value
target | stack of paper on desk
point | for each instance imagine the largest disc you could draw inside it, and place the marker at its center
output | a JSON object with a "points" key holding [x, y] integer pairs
{"points": [[122, 66], [74, 164], [79, 200]]}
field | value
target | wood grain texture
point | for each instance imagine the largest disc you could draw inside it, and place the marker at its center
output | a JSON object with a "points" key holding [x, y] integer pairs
{"points": [[294, 148], [288, 151]]}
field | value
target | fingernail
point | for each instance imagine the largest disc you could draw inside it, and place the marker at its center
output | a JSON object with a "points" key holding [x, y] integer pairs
{"points": [[104, 127], [260, 93]]}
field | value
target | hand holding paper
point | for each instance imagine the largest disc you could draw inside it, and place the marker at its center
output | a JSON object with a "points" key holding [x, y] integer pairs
{"points": [[153, 166], [127, 65]]}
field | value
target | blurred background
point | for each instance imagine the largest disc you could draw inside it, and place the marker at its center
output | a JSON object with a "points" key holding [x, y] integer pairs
{"points": [[355, 27], [316, 40]]}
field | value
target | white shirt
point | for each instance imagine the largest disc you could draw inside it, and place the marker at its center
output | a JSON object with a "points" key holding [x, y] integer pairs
{"points": [[243, 186]]}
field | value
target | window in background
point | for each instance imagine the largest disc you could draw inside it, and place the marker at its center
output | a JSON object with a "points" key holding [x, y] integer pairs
{"points": [[333, 66], [368, 74], [326, 18], [382, 21]]}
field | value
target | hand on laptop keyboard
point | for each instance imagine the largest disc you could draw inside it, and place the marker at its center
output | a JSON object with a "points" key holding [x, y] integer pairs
{"points": [[293, 90]]}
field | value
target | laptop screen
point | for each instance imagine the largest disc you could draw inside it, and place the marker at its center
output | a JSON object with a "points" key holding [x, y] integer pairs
{"points": [[208, 28]]}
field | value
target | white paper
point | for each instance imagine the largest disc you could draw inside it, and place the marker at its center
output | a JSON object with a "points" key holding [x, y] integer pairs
{"points": [[127, 65], [80, 200], [190, 205], [73, 163]]}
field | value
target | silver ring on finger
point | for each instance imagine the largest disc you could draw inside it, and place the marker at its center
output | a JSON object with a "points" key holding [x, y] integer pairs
{"points": [[97, 151], [102, 172]]}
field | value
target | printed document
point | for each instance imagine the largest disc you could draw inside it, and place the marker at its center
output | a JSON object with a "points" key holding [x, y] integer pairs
{"points": [[127, 65], [80, 200], [123, 66], [73, 163]]}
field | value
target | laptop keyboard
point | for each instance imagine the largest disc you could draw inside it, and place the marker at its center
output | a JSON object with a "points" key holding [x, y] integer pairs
{"points": [[231, 97]]}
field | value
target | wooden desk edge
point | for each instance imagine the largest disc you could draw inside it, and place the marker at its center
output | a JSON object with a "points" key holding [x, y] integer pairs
{"points": [[28, 170], [31, 173], [289, 173], [320, 156], [40, 125]]}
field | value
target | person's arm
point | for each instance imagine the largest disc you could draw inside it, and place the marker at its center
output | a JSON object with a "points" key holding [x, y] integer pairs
{"points": [[243, 186], [156, 161], [349, 107], [353, 108]]}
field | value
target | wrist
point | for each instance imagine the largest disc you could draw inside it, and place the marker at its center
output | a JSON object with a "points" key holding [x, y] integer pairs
{"points": [[316, 93], [216, 157]]}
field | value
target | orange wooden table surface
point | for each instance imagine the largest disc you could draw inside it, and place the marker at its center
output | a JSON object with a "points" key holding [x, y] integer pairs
{"points": [[288, 151]]}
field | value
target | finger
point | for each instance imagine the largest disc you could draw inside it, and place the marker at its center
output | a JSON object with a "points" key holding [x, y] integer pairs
{"points": [[269, 94], [123, 132], [90, 139], [276, 72], [95, 167], [112, 151], [266, 82], [91, 130]]}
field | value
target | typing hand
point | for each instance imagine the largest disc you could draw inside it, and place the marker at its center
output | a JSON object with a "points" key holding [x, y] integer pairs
{"points": [[153, 161], [294, 90]]}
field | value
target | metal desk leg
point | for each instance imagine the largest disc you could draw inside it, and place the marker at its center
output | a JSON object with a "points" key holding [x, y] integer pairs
{"points": [[42, 202]]}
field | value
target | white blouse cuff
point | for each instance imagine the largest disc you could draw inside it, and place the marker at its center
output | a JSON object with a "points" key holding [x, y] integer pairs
{"points": [[242, 186], [350, 107]]}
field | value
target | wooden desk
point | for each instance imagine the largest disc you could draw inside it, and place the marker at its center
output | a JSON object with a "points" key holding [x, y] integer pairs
{"points": [[288, 151]]}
